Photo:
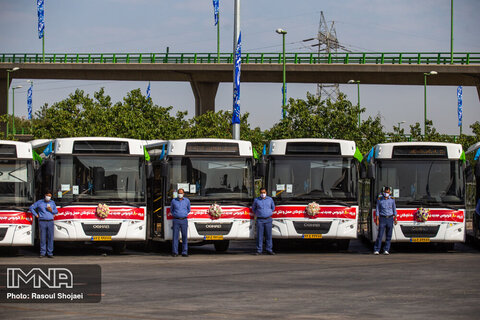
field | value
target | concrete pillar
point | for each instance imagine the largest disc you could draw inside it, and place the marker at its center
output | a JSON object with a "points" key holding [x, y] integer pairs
{"points": [[204, 93]]}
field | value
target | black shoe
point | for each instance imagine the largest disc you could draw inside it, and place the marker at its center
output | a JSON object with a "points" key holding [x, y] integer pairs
{"points": [[174, 255], [257, 253], [41, 256], [50, 256], [184, 255], [271, 253]]}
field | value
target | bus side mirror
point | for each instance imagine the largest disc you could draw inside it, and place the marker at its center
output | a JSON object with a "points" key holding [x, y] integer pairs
{"points": [[49, 167], [261, 169], [149, 170], [363, 171], [371, 171], [164, 169]]}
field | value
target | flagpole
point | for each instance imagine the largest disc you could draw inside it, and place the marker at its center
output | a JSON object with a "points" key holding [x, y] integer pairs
{"points": [[236, 34], [218, 36]]}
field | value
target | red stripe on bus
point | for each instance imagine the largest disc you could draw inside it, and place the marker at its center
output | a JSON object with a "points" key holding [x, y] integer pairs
{"points": [[16, 218], [435, 215], [79, 213], [228, 213], [325, 212]]}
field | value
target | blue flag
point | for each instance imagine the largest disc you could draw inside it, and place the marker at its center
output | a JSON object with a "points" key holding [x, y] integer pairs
{"points": [[29, 101], [162, 155], [284, 113], [41, 18], [236, 89], [48, 149], [148, 90], [477, 155], [370, 154], [215, 10], [460, 106], [264, 151]]}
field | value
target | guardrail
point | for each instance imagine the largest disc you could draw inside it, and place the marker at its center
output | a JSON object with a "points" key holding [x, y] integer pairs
{"points": [[459, 58]]}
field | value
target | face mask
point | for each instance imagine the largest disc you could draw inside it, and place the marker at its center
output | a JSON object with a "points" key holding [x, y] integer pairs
{"points": [[263, 195], [180, 195], [47, 198], [386, 195]]}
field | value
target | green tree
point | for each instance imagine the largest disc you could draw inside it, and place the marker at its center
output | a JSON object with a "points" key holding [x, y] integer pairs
{"points": [[315, 118], [135, 117]]}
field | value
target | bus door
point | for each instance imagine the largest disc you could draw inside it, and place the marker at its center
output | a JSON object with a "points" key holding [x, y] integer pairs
{"points": [[156, 187]]}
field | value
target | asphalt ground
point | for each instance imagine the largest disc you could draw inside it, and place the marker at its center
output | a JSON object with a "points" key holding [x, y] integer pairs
{"points": [[302, 281]]}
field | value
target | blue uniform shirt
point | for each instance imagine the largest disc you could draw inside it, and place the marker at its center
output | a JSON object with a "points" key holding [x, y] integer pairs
{"points": [[477, 209], [180, 208], [39, 209], [386, 207], [263, 208]]}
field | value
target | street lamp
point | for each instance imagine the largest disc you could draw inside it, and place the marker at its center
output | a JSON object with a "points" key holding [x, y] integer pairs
{"points": [[8, 85], [283, 33], [399, 124], [425, 75], [358, 99], [13, 108]]}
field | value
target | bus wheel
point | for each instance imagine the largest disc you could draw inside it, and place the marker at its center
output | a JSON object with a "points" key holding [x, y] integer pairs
{"points": [[221, 246], [118, 247], [342, 244]]}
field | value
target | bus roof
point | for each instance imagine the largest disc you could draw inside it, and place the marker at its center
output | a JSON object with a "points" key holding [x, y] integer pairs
{"points": [[179, 147], [65, 145], [385, 150], [279, 147], [154, 143], [23, 149]]}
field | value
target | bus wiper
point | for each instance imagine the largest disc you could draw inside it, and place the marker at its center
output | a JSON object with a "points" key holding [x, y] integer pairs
{"points": [[333, 201], [16, 208], [125, 203]]}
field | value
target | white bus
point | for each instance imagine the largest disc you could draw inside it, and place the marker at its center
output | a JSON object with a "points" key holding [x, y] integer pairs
{"points": [[88, 171], [211, 171], [421, 175], [16, 194], [324, 171], [474, 232]]}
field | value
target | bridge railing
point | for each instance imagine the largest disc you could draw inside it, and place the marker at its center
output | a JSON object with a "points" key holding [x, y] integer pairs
{"points": [[459, 58]]}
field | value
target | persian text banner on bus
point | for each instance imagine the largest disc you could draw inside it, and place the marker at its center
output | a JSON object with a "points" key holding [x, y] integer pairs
{"points": [[299, 211], [228, 212], [17, 217], [435, 215], [81, 213]]}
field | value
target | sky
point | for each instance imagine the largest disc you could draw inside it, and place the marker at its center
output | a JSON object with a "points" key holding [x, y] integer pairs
{"points": [[145, 26]]}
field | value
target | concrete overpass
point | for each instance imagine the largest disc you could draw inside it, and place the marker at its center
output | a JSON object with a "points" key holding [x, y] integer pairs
{"points": [[205, 76]]}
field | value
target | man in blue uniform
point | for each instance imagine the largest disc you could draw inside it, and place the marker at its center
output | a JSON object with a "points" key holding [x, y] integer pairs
{"points": [[180, 208], [385, 217], [263, 207], [45, 210]]}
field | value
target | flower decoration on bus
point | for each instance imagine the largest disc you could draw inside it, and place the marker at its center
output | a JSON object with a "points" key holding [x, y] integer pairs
{"points": [[312, 209], [215, 211], [102, 211], [422, 214]]}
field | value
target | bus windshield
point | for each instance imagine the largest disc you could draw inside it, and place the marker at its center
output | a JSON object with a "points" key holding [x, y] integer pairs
{"points": [[212, 179], [16, 183], [313, 178], [416, 183], [112, 179]]}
